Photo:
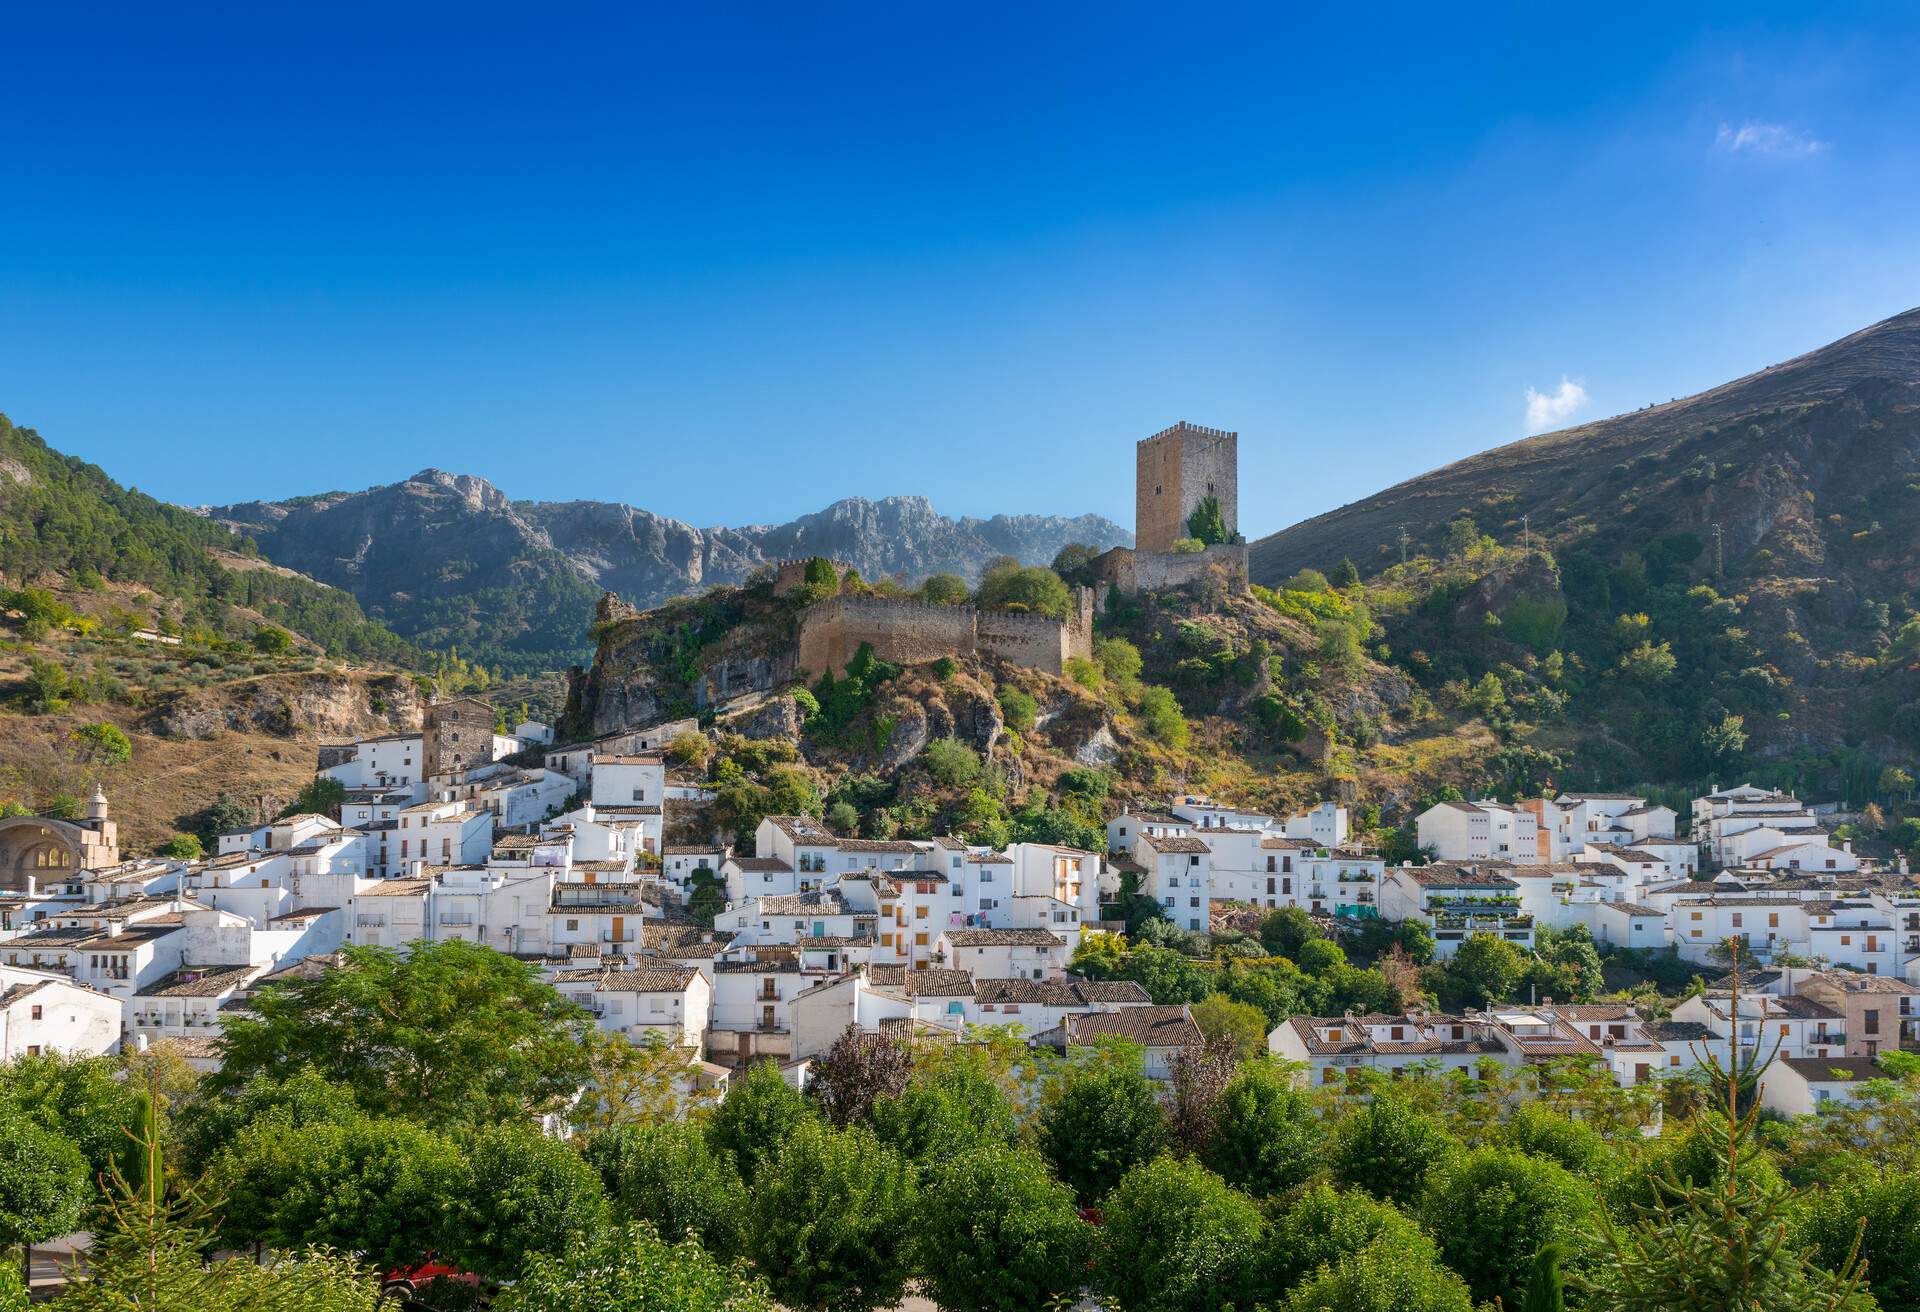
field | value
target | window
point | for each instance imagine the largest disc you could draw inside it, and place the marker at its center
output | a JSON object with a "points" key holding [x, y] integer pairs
{"points": [[919, 913], [1870, 1022], [920, 938], [573, 924], [1193, 860], [36, 1011]]}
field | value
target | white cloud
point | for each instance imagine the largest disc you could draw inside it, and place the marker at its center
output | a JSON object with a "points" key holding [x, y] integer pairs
{"points": [[1771, 140], [1551, 409]]}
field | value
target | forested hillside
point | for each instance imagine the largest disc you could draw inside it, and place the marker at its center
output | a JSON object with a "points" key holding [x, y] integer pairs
{"points": [[64, 520]]}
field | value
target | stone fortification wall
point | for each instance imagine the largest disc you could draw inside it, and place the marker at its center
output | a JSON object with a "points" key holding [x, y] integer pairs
{"points": [[1135, 572], [912, 632]]}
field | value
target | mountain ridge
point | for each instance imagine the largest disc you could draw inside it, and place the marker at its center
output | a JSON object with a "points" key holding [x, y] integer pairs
{"points": [[1883, 353], [450, 558]]}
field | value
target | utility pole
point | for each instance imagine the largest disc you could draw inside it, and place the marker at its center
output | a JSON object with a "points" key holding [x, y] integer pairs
{"points": [[1719, 554], [1403, 544]]}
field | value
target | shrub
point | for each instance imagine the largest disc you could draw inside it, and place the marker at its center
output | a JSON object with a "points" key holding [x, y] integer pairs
{"points": [[1162, 718], [1018, 708], [952, 762]]}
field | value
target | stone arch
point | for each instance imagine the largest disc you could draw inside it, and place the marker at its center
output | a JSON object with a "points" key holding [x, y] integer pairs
{"points": [[36, 848]]}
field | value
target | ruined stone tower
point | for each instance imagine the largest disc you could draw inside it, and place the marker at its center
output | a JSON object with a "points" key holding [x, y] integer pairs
{"points": [[1176, 469]]}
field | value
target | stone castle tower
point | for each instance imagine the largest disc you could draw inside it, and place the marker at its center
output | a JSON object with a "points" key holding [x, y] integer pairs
{"points": [[1176, 469]]}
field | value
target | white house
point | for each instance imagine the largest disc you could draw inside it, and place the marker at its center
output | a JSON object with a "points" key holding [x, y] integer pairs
{"points": [[1802, 1086], [42, 1012], [1004, 953], [1179, 877]]}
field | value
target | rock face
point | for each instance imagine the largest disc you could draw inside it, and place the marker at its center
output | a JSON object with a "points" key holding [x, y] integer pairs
{"points": [[448, 558], [331, 706]]}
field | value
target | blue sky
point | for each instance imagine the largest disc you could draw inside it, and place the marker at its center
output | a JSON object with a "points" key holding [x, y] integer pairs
{"points": [[731, 262]]}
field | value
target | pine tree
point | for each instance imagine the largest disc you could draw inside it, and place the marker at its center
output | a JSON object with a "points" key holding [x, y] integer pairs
{"points": [[1721, 1246], [1346, 573]]}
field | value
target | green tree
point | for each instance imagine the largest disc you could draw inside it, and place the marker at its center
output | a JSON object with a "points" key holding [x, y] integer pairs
{"points": [[530, 1194], [1540, 1130], [946, 1109], [376, 1186], [1244, 1027], [1384, 1278], [843, 819], [181, 847], [1270, 1137], [1649, 664], [1102, 1121], [323, 795], [670, 1177], [1485, 969], [1206, 523], [1009, 585], [445, 1033], [832, 1219], [952, 762], [1493, 1209], [1346, 573], [1284, 931], [946, 590], [1326, 1226], [82, 1100], [1162, 718], [1389, 1148], [272, 641], [1169, 977], [758, 1114], [822, 581], [1547, 1287], [1463, 535], [996, 1233], [1179, 1239], [43, 1184], [632, 1269], [1889, 1241], [102, 744]]}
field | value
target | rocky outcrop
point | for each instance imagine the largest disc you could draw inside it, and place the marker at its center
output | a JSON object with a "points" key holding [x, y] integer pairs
{"points": [[331, 706]]}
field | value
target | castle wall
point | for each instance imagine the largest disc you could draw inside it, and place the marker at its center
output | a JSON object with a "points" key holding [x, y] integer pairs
{"points": [[1134, 572], [913, 632]]}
